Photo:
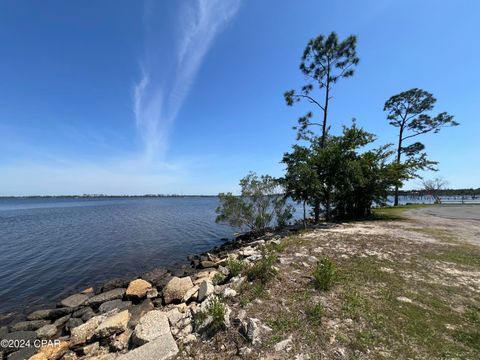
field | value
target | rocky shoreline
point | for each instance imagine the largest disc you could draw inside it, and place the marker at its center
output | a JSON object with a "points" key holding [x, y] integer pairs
{"points": [[152, 316]]}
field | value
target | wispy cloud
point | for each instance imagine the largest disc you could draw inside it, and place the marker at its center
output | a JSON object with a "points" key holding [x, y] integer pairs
{"points": [[159, 95]]}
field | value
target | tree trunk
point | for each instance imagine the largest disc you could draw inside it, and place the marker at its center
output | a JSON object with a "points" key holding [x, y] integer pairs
{"points": [[304, 215], [399, 154], [316, 211]]}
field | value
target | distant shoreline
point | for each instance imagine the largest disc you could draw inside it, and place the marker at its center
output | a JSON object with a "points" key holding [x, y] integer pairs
{"points": [[96, 196]]}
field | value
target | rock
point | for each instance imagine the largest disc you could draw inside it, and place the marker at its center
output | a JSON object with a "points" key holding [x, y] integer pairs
{"points": [[17, 338], [91, 349], [227, 292], [88, 291], [106, 296], [83, 333], [137, 289], [252, 330], [155, 277], [113, 325], [72, 323], [176, 289], [22, 354], [107, 356], [190, 293], [29, 325], [284, 344], [137, 311], [207, 264], [242, 314], [47, 332], [189, 338], [205, 289], [174, 316], [182, 307], [120, 342], [85, 314], [114, 304], [404, 299], [114, 284], [163, 347], [50, 314], [70, 355], [3, 331], [74, 301], [55, 350], [38, 356], [152, 293], [62, 321], [151, 326]]}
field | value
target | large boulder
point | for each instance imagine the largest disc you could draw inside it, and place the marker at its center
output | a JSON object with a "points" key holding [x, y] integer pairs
{"points": [[114, 284], [55, 350], [72, 323], [83, 333], [120, 341], [29, 325], [47, 332], [137, 312], [205, 289], [176, 289], [75, 300], [85, 313], [113, 325], [163, 347], [15, 339], [50, 314], [24, 353], [138, 289], [151, 326], [114, 304], [106, 296]]}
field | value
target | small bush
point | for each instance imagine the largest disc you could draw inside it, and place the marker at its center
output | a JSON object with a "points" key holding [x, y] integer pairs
{"points": [[234, 266], [263, 270], [314, 314], [216, 311], [218, 279], [324, 274]]}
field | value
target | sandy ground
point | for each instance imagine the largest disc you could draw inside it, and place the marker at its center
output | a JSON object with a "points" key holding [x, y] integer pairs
{"points": [[463, 220]]}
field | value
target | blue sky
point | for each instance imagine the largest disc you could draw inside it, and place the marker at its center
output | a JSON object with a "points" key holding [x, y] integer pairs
{"points": [[132, 97]]}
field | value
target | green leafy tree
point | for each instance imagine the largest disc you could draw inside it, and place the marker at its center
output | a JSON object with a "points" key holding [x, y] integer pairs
{"points": [[301, 178], [408, 111], [261, 204], [325, 60]]}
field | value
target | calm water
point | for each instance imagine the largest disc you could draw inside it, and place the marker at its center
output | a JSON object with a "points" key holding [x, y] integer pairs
{"points": [[50, 248]]}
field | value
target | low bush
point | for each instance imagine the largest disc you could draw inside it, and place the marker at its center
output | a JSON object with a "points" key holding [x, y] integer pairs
{"points": [[263, 270], [324, 274], [218, 279], [234, 266]]}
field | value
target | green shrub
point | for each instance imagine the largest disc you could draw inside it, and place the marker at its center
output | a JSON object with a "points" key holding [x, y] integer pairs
{"points": [[215, 310], [263, 270], [234, 266], [218, 279], [324, 274]]}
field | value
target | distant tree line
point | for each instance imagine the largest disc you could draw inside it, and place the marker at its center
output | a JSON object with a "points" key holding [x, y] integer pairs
{"points": [[441, 192], [334, 173]]}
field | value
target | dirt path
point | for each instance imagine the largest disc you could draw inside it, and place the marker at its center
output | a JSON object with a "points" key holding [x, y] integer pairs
{"points": [[463, 220]]}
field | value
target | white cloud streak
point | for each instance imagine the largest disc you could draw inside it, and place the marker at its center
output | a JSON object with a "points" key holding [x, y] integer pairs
{"points": [[157, 100]]}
